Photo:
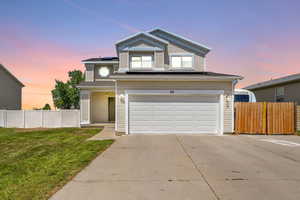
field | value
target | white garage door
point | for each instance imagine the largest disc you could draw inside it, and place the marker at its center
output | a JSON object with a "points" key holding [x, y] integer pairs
{"points": [[173, 114]]}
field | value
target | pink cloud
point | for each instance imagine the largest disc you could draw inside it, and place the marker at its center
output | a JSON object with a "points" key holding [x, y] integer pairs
{"points": [[38, 62], [266, 59]]}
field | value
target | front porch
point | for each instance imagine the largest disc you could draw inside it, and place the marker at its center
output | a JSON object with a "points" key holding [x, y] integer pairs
{"points": [[102, 107], [97, 107]]}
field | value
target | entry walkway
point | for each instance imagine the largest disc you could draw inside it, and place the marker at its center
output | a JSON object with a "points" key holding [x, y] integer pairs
{"points": [[107, 133]]}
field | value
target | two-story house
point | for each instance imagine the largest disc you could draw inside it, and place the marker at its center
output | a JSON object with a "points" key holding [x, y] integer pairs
{"points": [[158, 84], [10, 90]]}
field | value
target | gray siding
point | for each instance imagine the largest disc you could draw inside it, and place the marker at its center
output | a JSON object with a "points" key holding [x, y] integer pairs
{"points": [[10, 92], [89, 72], [123, 61], [161, 58], [175, 85], [291, 92], [98, 66]]}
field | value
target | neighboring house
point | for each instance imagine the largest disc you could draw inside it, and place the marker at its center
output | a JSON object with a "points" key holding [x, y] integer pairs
{"points": [[10, 90], [157, 84], [278, 90]]}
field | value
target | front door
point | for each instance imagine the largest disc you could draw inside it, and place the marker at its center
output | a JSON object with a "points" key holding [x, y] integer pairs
{"points": [[111, 109]]}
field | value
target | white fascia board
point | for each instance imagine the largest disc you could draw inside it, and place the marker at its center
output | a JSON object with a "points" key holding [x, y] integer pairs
{"points": [[100, 62], [97, 87], [174, 92], [181, 37], [141, 49], [168, 78], [142, 33]]}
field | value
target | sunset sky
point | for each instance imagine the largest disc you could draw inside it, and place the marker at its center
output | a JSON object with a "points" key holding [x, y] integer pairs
{"points": [[41, 40]]}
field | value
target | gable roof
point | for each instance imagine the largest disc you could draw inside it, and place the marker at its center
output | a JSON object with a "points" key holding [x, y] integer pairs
{"points": [[204, 48], [11, 75], [286, 79], [143, 34]]}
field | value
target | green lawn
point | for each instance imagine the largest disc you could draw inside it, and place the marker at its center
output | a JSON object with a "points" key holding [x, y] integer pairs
{"points": [[35, 163]]}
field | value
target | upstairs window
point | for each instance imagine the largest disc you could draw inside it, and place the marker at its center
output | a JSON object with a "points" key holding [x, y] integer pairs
{"points": [[141, 62], [181, 61], [279, 91]]}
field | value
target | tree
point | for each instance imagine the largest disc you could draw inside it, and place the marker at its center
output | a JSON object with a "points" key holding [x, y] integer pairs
{"points": [[46, 107], [66, 95]]}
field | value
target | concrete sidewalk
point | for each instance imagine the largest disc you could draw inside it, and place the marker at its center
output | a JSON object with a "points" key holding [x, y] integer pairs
{"points": [[181, 167], [107, 133]]}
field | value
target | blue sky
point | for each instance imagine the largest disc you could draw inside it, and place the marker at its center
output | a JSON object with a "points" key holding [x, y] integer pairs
{"points": [[42, 40]]}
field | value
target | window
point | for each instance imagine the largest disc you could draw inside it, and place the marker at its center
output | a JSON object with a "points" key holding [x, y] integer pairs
{"points": [[141, 62], [279, 91], [241, 98], [182, 61]]}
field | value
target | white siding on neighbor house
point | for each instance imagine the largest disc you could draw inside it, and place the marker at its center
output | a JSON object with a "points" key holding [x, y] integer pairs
{"points": [[2, 118], [39, 118], [175, 85]]}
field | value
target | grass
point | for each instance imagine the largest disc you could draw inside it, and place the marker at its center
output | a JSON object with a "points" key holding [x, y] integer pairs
{"points": [[36, 163]]}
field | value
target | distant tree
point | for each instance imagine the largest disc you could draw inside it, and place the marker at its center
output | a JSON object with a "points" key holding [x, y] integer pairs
{"points": [[46, 107], [66, 95]]}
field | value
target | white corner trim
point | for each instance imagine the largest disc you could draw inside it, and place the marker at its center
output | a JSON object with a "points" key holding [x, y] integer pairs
{"points": [[116, 107], [126, 114], [221, 131], [232, 107]]}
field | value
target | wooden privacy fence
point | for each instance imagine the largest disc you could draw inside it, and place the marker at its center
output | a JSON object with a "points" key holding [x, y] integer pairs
{"points": [[265, 118]]}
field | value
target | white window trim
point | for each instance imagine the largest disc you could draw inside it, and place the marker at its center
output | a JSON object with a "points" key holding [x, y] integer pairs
{"points": [[141, 55], [181, 55]]}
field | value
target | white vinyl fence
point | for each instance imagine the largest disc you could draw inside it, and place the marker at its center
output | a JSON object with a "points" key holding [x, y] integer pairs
{"points": [[39, 118]]}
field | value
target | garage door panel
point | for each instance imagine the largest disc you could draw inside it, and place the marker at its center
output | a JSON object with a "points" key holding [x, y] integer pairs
{"points": [[173, 108], [173, 114]]}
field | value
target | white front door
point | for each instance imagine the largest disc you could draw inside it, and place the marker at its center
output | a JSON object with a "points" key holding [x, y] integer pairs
{"points": [[176, 114]]}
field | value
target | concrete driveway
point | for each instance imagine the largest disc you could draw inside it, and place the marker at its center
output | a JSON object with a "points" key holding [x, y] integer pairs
{"points": [[182, 167]]}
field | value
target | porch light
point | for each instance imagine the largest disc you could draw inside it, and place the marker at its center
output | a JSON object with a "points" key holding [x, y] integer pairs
{"points": [[122, 98], [227, 100]]}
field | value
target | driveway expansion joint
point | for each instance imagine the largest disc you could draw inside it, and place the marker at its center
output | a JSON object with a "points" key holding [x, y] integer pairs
{"points": [[198, 170], [131, 180]]}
